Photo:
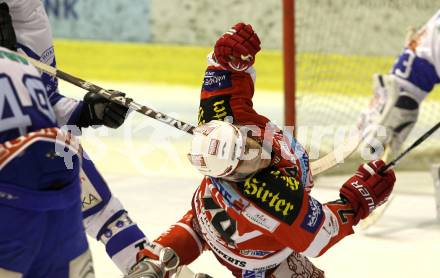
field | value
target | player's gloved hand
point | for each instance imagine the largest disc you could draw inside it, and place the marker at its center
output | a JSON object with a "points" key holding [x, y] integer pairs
{"points": [[390, 116], [367, 190], [235, 50], [163, 266], [7, 33], [98, 110]]}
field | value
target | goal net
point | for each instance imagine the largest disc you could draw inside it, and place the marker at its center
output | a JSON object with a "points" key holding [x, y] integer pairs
{"points": [[339, 46]]}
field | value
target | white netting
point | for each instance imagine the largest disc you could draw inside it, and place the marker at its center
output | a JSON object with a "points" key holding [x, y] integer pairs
{"points": [[340, 44]]}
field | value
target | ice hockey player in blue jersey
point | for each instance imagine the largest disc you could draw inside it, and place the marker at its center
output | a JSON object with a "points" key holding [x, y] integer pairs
{"points": [[41, 234], [104, 217], [394, 109], [398, 96]]}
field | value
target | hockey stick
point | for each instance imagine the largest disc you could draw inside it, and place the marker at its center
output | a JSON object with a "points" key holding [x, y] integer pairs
{"points": [[422, 138], [127, 102], [331, 159], [378, 213], [318, 166]]}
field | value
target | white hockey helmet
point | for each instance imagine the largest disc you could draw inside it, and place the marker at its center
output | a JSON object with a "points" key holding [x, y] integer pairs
{"points": [[216, 148], [219, 149]]}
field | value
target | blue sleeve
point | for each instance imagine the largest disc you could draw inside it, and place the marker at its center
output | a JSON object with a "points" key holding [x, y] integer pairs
{"points": [[66, 109], [416, 70]]}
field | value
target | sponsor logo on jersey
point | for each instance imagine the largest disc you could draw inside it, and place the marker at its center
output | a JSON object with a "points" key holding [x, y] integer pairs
{"points": [[333, 223], [258, 269], [88, 201], [314, 216], [214, 108], [278, 194], [255, 253], [253, 274], [228, 258], [303, 159], [217, 80], [231, 197], [260, 219], [47, 56], [89, 196]]}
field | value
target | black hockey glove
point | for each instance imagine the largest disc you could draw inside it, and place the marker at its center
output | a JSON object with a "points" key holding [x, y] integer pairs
{"points": [[98, 110], [7, 33]]}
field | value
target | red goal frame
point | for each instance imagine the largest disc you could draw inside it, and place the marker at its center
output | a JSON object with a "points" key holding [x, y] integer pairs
{"points": [[289, 63]]}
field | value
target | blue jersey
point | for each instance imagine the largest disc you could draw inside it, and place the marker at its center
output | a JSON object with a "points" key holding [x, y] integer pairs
{"points": [[25, 109], [42, 233], [105, 218], [24, 104], [34, 38]]}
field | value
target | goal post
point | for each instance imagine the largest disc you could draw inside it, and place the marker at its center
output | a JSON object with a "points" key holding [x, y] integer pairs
{"points": [[289, 63]]}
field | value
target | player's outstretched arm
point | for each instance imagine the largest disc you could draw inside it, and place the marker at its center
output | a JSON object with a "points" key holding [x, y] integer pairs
{"points": [[310, 227], [360, 195]]}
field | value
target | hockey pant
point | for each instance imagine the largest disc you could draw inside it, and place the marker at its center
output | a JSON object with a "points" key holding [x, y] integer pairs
{"points": [[44, 236]]}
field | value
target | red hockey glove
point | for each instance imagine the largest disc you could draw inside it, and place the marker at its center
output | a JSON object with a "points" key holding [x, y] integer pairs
{"points": [[367, 190], [235, 50]]}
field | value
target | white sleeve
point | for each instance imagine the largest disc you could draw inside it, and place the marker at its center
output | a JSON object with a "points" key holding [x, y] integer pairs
{"points": [[428, 42]]}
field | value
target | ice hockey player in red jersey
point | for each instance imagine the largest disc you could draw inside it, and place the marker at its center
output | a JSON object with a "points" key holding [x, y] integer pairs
{"points": [[253, 208]]}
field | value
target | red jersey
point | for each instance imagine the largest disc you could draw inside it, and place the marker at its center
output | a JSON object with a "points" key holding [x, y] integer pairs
{"points": [[257, 223]]}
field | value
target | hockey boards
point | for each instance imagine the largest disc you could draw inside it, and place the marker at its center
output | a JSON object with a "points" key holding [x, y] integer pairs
{"points": [[318, 166]]}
